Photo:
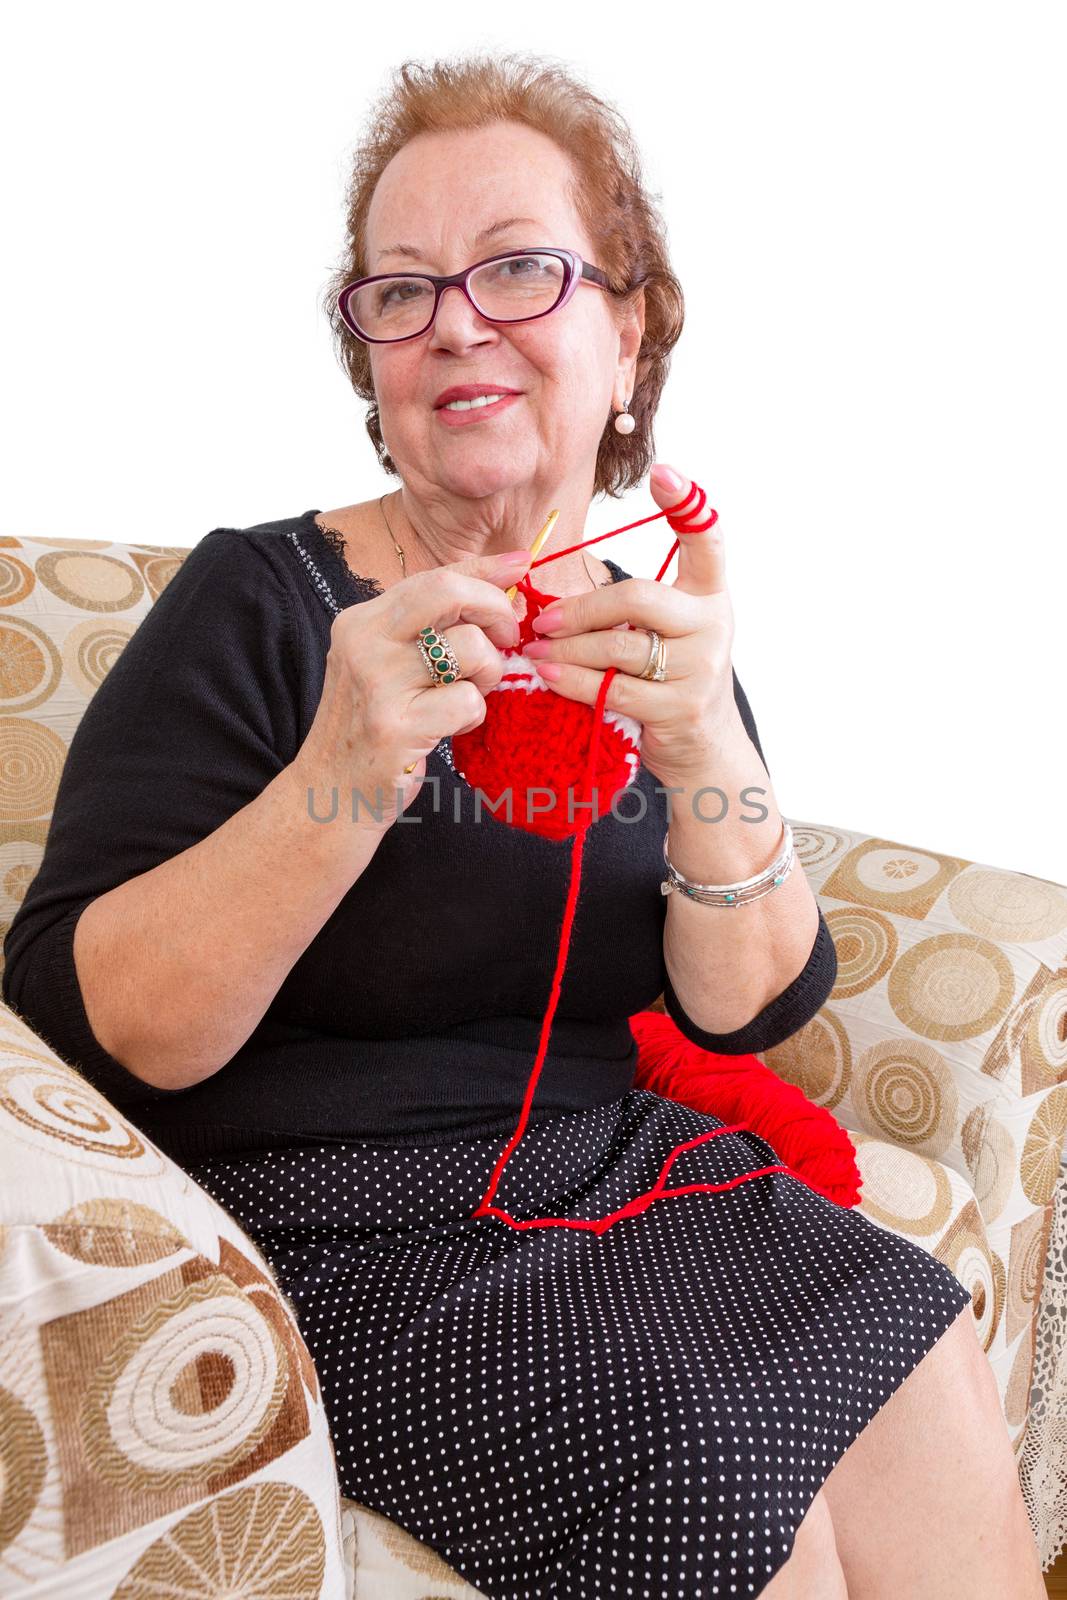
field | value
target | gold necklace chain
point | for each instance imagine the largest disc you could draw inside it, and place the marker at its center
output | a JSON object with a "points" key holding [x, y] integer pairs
{"points": [[403, 563], [392, 535], [404, 568]]}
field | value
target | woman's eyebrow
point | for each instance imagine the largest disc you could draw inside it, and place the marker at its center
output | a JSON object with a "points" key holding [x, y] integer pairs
{"points": [[493, 230]]}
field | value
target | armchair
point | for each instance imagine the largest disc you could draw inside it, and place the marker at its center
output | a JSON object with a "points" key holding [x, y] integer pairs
{"points": [[161, 1423]]}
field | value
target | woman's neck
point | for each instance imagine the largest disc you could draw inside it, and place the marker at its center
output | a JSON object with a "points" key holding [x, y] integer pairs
{"points": [[370, 550]]}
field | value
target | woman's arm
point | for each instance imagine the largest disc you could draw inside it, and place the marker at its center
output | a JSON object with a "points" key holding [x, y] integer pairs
{"points": [[178, 965], [755, 972], [183, 875], [184, 871]]}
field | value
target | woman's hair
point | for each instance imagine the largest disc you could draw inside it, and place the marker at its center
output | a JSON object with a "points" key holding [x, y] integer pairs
{"points": [[625, 226]]}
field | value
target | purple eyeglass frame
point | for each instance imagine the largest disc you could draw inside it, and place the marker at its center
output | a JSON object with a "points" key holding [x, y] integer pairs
{"points": [[578, 271]]}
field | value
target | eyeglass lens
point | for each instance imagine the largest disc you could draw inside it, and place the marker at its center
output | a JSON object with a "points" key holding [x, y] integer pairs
{"points": [[509, 290]]}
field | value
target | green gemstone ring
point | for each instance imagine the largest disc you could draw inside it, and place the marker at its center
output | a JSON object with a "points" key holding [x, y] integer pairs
{"points": [[438, 655]]}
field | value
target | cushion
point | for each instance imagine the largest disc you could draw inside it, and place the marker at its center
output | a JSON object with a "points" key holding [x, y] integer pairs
{"points": [[161, 1424]]}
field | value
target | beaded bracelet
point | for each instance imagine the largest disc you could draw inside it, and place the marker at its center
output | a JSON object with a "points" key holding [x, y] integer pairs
{"points": [[733, 894]]}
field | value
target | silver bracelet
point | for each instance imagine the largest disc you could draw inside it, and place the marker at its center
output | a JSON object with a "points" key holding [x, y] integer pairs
{"points": [[734, 894]]}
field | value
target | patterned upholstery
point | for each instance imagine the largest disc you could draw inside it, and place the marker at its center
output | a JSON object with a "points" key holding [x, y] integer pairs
{"points": [[161, 1423], [159, 1413], [942, 1049]]}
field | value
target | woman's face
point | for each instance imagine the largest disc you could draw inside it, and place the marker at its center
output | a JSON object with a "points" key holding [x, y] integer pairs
{"points": [[443, 193]]}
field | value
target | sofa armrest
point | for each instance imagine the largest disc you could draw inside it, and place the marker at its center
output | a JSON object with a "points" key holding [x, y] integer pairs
{"points": [[156, 1396], [943, 1036], [940, 1034]]}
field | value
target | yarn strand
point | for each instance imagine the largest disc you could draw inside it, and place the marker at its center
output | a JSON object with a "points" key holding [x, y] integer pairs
{"points": [[680, 519]]}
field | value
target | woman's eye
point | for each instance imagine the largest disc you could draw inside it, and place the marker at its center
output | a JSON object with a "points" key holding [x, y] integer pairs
{"points": [[400, 293], [519, 267]]}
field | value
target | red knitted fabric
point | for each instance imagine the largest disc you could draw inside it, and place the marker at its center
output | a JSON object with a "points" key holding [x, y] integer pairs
{"points": [[528, 755]]}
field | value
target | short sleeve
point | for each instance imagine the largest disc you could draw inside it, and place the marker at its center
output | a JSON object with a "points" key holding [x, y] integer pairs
{"points": [[196, 716], [798, 1003]]}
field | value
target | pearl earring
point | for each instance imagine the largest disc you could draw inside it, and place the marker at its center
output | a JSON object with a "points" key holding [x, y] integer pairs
{"points": [[624, 422]]}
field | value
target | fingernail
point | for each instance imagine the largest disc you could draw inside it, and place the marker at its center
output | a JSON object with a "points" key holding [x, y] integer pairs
{"points": [[551, 617], [669, 477], [551, 670], [514, 558]]}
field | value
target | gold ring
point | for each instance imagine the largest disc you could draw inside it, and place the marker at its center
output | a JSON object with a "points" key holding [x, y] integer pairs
{"points": [[439, 656], [655, 668]]}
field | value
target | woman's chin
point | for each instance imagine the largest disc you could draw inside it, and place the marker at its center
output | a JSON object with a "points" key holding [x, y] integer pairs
{"points": [[475, 478]]}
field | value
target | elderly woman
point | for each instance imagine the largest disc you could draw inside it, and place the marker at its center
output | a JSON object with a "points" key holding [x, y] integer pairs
{"points": [[329, 1016]]}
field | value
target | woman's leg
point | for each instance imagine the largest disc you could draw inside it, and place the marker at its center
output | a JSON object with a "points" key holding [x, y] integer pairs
{"points": [[926, 1501], [813, 1571]]}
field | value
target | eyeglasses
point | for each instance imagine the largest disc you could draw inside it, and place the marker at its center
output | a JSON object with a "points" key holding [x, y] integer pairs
{"points": [[518, 286]]}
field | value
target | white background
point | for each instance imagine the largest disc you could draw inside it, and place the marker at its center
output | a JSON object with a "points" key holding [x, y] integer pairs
{"points": [[865, 205]]}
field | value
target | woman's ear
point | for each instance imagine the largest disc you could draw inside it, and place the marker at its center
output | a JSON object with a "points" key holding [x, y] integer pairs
{"points": [[631, 333]]}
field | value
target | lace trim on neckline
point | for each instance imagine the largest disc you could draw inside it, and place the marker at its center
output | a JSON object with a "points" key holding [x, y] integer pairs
{"points": [[366, 588]]}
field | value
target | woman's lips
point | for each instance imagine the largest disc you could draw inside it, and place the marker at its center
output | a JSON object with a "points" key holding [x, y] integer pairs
{"points": [[460, 419]]}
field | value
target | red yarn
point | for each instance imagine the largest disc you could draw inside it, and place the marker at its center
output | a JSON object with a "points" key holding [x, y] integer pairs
{"points": [[491, 759], [531, 749], [808, 1137]]}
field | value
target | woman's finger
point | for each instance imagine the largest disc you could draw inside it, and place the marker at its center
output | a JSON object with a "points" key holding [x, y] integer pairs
{"points": [[463, 591], [642, 602], [446, 710], [480, 662], [639, 698], [701, 562], [628, 649]]}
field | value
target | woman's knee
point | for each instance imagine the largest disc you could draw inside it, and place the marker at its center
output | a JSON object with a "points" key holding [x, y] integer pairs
{"points": [[813, 1571], [955, 1384]]}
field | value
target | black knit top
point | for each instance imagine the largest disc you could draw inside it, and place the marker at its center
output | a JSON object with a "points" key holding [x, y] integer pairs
{"points": [[414, 1014]]}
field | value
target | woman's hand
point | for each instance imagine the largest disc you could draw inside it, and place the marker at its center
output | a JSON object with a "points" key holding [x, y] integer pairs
{"points": [[379, 712], [681, 717]]}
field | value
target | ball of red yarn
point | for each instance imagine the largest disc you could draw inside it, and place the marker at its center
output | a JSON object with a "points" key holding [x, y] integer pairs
{"points": [[805, 1137], [532, 747]]}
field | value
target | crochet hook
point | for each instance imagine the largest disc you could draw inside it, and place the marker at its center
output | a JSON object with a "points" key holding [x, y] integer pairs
{"points": [[535, 547]]}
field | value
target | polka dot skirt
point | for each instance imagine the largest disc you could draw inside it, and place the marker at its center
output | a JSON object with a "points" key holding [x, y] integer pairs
{"points": [[645, 1412]]}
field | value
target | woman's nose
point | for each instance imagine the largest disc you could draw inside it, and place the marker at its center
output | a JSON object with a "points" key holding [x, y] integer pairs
{"points": [[456, 317]]}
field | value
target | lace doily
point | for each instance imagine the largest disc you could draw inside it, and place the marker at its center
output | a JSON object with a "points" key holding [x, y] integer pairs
{"points": [[1043, 1461]]}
